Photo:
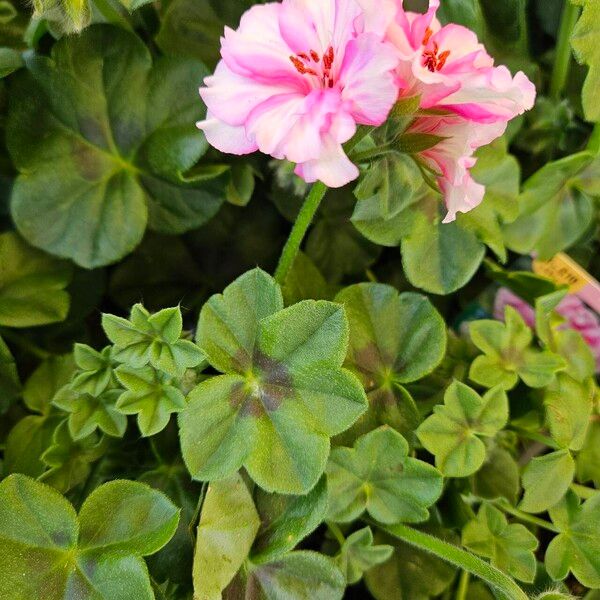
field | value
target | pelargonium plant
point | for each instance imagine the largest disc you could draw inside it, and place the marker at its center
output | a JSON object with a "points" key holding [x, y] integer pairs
{"points": [[247, 346]]}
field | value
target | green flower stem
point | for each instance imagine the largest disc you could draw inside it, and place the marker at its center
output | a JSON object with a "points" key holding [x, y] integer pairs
{"points": [[507, 589], [594, 143], [336, 532], [562, 60], [303, 221], [526, 517], [583, 492], [463, 585]]}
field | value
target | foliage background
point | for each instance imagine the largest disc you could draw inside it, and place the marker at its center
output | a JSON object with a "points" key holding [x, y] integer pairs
{"points": [[109, 196]]}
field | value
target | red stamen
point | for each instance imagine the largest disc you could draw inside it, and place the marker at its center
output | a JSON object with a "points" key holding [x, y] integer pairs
{"points": [[428, 34], [301, 67], [442, 60], [314, 56], [434, 62], [328, 58], [304, 56]]}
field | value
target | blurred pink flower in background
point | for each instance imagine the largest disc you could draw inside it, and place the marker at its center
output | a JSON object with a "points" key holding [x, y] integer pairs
{"points": [[578, 317], [295, 80]]}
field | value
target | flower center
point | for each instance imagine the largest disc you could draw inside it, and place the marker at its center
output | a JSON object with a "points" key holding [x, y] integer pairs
{"points": [[312, 64], [433, 59]]}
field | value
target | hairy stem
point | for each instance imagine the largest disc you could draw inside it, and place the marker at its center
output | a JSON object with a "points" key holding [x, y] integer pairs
{"points": [[585, 493], [507, 589], [562, 61], [303, 221], [463, 585], [336, 532], [526, 517]]}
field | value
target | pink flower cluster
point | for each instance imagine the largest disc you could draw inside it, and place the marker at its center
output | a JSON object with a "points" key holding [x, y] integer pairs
{"points": [[297, 78], [577, 316]]}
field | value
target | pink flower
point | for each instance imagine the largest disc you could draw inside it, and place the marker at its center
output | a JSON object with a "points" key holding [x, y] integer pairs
{"points": [[294, 81], [577, 315], [451, 71]]}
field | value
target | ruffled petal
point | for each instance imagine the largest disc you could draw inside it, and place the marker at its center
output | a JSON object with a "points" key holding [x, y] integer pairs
{"points": [[332, 167], [224, 137], [369, 88], [461, 196]]}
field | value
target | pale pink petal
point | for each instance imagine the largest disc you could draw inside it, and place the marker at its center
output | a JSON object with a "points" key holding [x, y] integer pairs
{"points": [[506, 297], [232, 97], [226, 138], [461, 196], [256, 49], [333, 167], [369, 89]]}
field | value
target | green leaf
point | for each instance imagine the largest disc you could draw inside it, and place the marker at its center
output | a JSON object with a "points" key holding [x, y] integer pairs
{"points": [[359, 554], [394, 339], [508, 354], [32, 285], [88, 413], [334, 244], [287, 520], [410, 574], [555, 207], [95, 370], [191, 28], [126, 517], [588, 460], [299, 575], [241, 185], [546, 480], [69, 460], [32, 435], [500, 173], [102, 136], [151, 396], [10, 61], [227, 528], [509, 547], [90, 556], [304, 281], [576, 548], [284, 394], [152, 339], [439, 258], [379, 476], [584, 42], [452, 434], [499, 476], [568, 405], [10, 383]]}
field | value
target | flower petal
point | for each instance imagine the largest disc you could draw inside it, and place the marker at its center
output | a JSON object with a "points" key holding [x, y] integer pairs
{"points": [[226, 138]]}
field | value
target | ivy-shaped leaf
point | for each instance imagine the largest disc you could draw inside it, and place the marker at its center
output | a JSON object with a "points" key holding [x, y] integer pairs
{"points": [[378, 476], [284, 393], [452, 433], [556, 206], [69, 461], [227, 527], [585, 45], [509, 547], [577, 547], [394, 339], [359, 554], [509, 355], [102, 137], [152, 339], [95, 370], [151, 396], [88, 413], [32, 285], [90, 555], [287, 520], [301, 575], [499, 476], [546, 480]]}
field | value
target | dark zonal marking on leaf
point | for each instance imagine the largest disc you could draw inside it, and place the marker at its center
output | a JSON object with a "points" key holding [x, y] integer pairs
{"points": [[382, 397], [276, 381], [85, 159], [247, 403], [60, 538], [370, 359]]}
